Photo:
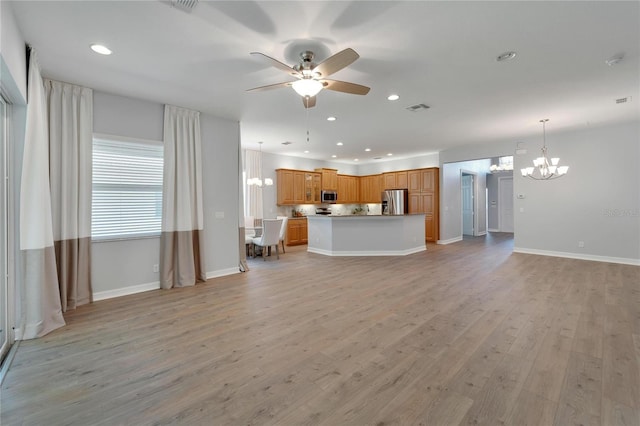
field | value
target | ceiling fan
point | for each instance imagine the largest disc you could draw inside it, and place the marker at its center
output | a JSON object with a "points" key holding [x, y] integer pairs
{"points": [[312, 77]]}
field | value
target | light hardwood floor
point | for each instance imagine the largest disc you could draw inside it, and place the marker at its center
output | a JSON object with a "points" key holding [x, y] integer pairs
{"points": [[468, 333]]}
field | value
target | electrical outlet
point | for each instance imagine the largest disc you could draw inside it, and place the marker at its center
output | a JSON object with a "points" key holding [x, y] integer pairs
{"points": [[156, 268], [581, 244]]}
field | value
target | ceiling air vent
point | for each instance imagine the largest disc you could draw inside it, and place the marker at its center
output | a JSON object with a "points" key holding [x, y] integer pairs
{"points": [[623, 100], [287, 143], [418, 107], [184, 5]]}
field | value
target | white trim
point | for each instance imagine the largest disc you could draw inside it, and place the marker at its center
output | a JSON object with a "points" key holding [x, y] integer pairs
{"points": [[367, 253], [8, 360], [580, 256], [125, 291], [493, 230], [450, 240], [481, 233], [223, 272]]}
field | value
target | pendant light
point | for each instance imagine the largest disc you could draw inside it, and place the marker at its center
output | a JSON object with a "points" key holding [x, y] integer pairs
{"points": [[257, 181], [543, 167]]}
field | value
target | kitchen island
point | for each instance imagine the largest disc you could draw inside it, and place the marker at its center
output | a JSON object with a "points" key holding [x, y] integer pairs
{"points": [[366, 235]]}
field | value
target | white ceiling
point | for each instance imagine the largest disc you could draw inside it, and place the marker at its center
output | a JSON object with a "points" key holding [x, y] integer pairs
{"points": [[442, 54]]}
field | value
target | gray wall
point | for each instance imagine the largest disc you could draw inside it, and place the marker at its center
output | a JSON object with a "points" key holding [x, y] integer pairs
{"points": [[597, 202], [135, 118]]}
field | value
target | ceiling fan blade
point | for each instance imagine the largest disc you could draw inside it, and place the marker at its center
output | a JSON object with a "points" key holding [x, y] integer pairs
{"points": [[274, 62], [270, 87], [336, 62], [343, 86], [309, 102]]}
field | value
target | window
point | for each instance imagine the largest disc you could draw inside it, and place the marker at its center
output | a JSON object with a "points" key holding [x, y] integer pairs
{"points": [[127, 188]]}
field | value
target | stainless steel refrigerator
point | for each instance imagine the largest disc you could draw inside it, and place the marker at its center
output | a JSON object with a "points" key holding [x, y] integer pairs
{"points": [[395, 201]]}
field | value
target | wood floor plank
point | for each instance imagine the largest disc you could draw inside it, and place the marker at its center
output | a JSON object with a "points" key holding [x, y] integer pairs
{"points": [[466, 333]]}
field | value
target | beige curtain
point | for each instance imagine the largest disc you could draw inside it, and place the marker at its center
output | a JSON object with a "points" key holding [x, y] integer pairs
{"points": [[70, 121], [181, 242], [41, 308], [253, 169], [244, 267]]}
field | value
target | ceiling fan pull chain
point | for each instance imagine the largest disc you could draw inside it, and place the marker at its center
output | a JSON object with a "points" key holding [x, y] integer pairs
{"points": [[307, 109]]}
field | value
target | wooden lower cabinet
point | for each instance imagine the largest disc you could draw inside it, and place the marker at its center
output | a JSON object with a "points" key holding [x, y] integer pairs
{"points": [[296, 231]]}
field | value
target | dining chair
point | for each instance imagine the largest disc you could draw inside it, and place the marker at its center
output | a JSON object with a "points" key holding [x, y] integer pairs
{"points": [[283, 230], [270, 236]]}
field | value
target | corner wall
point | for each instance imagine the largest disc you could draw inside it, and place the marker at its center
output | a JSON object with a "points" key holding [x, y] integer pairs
{"points": [[597, 202], [135, 118]]}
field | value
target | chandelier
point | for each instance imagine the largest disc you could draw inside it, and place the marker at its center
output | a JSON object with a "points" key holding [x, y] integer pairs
{"points": [[543, 167], [256, 180]]}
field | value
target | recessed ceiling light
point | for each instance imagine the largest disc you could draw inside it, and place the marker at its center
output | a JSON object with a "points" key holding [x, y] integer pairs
{"points": [[334, 156], [389, 154], [99, 48], [367, 149], [506, 56], [306, 152], [339, 144], [355, 159], [331, 119], [393, 97]]}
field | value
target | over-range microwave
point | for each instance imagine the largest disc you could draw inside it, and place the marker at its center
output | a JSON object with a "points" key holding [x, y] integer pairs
{"points": [[329, 197]]}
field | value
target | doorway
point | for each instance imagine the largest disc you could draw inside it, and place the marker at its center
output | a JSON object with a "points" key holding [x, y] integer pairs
{"points": [[505, 197], [468, 203]]}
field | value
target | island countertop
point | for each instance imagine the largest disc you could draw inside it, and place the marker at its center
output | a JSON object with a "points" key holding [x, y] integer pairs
{"points": [[366, 235]]}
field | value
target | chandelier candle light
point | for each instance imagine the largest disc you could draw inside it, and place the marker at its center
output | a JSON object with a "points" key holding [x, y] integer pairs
{"points": [[256, 180], [543, 167]]}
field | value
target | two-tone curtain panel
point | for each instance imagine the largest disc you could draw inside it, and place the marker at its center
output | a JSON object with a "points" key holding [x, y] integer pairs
{"points": [[181, 241], [70, 139], [41, 307]]}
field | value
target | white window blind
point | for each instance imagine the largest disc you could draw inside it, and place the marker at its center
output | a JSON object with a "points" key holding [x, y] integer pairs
{"points": [[127, 188]]}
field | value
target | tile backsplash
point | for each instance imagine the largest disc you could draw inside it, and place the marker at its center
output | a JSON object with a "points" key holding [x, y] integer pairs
{"points": [[336, 209]]}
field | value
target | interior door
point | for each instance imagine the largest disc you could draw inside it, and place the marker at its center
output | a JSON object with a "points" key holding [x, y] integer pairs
{"points": [[505, 188], [467, 204]]}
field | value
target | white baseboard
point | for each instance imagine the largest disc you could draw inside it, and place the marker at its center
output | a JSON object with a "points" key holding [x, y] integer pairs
{"points": [[579, 256], [493, 230], [368, 253], [223, 272], [450, 240], [124, 291], [481, 233]]}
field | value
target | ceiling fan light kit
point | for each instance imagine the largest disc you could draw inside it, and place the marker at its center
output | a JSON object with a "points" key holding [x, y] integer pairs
{"points": [[307, 87], [543, 167], [312, 77]]}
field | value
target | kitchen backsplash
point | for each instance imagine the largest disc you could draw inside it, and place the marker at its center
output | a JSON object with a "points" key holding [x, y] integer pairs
{"points": [[337, 209]]}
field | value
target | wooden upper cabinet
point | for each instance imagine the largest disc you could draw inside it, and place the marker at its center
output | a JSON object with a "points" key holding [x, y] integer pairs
{"points": [[429, 178], [395, 180], [312, 182], [402, 180], [292, 187], [298, 188], [415, 180], [329, 179], [285, 186], [348, 189], [370, 189]]}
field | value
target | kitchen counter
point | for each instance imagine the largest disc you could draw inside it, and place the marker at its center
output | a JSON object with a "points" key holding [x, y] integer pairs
{"points": [[366, 235]]}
